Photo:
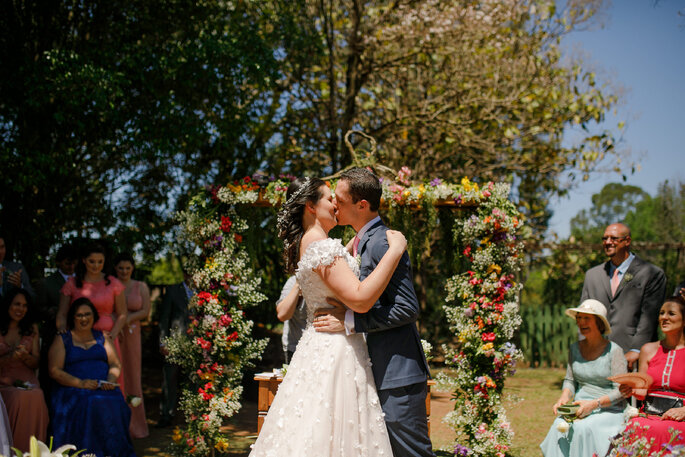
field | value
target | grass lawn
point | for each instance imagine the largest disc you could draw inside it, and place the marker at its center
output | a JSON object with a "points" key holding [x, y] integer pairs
{"points": [[538, 389], [531, 394]]}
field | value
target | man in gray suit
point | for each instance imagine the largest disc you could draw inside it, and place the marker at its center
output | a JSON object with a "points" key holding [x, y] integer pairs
{"points": [[398, 362], [632, 290], [48, 293], [12, 274], [173, 319], [49, 288]]}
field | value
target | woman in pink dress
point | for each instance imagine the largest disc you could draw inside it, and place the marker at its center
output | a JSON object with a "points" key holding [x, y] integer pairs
{"points": [[103, 290], [138, 305], [664, 361], [19, 357]]}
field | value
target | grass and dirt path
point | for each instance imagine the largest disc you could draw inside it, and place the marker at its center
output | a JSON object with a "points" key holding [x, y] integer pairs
{"points": [[531, 393]]}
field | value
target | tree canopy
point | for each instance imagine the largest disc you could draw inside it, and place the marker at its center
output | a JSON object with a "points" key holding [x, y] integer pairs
{"points": [[112, 112]]}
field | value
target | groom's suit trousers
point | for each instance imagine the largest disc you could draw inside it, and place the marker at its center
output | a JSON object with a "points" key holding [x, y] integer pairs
{"points": [[405, 418]]}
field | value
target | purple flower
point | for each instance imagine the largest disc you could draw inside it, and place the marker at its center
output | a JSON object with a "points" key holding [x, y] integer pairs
{"points": [[436, 182], [468, 312], [499, 236], [508, 348], [461, 451], [458, 200]]}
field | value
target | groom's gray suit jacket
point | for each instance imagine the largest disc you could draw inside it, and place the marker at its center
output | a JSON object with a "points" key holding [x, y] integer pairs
{"points": [[394, 345], [633, 312]]}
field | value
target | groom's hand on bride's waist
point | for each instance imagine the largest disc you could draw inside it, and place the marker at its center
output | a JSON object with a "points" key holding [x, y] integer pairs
{"points": [[331, 320]]}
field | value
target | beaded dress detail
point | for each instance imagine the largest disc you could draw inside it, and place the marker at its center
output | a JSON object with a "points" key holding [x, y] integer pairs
{"points": [[327, 404]]}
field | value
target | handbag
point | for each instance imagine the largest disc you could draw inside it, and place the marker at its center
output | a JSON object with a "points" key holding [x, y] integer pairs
{"points": [[657, 406]]}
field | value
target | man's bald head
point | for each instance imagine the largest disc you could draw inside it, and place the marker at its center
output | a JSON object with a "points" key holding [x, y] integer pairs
{"points": [[616, 242]]}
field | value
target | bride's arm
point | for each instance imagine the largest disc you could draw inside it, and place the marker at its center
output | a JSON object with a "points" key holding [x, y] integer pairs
{"points": [[361, 296]]}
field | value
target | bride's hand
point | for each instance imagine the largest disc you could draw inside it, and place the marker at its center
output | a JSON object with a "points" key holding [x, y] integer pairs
{"points": [[396, 240]]}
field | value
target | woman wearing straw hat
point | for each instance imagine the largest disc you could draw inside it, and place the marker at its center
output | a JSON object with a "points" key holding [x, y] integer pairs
{"points": [[597, 414]]}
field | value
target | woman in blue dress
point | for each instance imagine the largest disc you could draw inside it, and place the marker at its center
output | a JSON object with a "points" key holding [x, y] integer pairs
{"points": [[88, 409], [600, 403]]}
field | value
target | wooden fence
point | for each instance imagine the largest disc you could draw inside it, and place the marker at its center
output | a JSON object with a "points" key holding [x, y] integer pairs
{"points": [[545, 335]]}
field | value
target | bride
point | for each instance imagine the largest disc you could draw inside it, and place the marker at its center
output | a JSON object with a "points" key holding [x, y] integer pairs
{"points": [[327, 404]]}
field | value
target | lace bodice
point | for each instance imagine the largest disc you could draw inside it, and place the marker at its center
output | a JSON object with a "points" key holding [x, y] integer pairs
{"points": [[320, 253]]}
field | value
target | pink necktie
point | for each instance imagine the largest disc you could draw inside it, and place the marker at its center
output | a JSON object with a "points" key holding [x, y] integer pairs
{"points": [[614, 282], [354, 246]]}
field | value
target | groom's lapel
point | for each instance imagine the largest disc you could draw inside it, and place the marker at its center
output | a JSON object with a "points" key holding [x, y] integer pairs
{"points": [[367, 236]]}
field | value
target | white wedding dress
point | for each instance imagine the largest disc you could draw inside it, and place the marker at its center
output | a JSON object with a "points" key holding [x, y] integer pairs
{"points": [[327, 404]]}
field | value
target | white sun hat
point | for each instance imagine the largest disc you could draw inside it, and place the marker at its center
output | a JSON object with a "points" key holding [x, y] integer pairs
{"points": [[591, 306]]}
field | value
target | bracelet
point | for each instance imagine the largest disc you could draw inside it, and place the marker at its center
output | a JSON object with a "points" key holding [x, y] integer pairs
{"points": [[599, 404]]}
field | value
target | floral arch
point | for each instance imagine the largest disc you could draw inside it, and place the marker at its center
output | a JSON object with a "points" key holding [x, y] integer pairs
{"points": [[481, 304]]}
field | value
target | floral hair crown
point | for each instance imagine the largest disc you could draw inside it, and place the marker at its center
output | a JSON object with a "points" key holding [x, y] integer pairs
{"points": [[285, 209]]}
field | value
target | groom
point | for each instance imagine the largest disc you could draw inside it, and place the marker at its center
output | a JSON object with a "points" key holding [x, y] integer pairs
{"points": [[398, 362]]}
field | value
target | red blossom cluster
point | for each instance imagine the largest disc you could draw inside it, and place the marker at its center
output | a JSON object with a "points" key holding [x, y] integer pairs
{"points": [[226, 224], [204, 297], [204, 391], [213, 191], [206, 371], [203, 343], [246, 184], [488, 336]]}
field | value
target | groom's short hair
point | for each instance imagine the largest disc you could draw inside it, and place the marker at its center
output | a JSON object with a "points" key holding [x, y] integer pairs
{"points": [[364, 185]]}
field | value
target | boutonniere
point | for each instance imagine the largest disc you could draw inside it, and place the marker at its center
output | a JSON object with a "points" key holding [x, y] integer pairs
{"points": [[627, 277]]}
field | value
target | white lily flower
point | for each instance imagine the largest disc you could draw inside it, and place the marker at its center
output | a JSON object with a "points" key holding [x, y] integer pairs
{"points": [[629, 412], [563, 426], [39, 449], [133, 401]]}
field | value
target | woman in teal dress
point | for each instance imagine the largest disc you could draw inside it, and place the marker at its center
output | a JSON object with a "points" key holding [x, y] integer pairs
{"points": [[600, 404]]}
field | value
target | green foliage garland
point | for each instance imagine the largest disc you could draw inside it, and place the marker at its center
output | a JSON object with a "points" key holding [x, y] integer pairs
{"points": [[482, 305]]}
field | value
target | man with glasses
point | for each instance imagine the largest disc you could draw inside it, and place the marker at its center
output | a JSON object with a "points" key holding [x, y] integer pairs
{"points": [[632, 289]]}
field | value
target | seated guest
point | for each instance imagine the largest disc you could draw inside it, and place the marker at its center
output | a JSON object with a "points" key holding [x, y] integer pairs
{"points": [[664, 361], [19, 357], [600, 413], [88, 409]]}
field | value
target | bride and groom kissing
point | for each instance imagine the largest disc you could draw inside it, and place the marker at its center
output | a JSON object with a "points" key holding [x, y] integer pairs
{"points": [[346, 394]]}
